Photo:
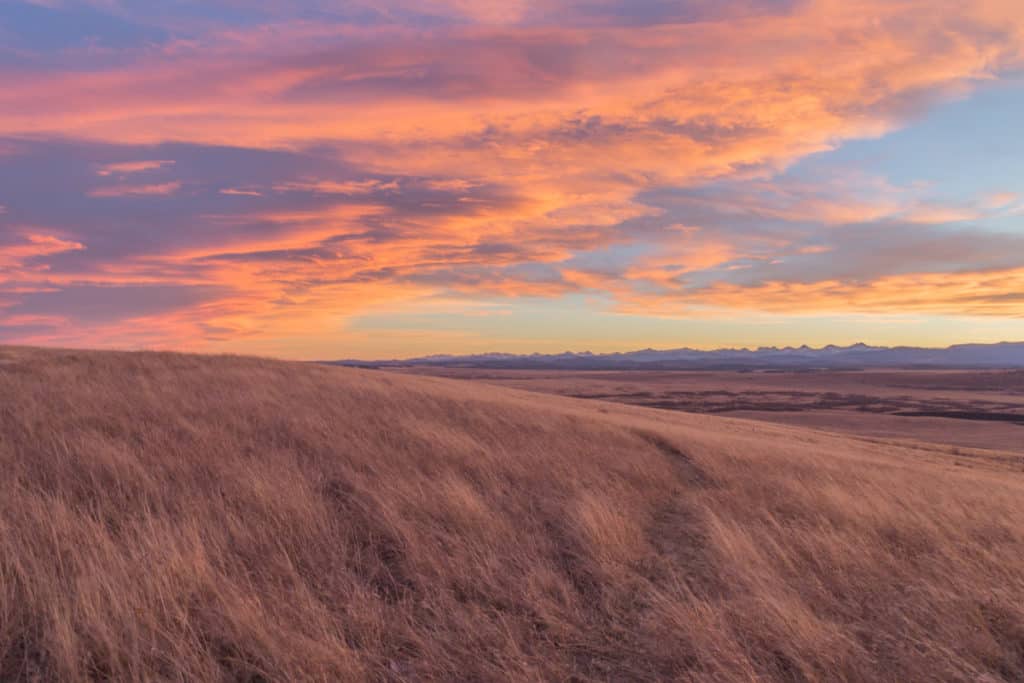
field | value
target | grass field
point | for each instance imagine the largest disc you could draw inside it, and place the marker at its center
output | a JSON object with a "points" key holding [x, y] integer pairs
{"points": [[187, 518]]}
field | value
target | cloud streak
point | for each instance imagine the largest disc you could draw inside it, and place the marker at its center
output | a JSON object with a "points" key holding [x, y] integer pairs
{"points": [[158, 190]]}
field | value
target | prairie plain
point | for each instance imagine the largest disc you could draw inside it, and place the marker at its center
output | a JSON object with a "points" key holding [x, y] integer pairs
{"points": [[170, 517], [969, 408]]}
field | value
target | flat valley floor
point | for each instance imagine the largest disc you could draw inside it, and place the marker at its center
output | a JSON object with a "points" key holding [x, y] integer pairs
{"points": [[974, 409]]}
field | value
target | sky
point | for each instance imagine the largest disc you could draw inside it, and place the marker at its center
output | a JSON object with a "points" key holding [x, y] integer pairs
{"points": [[392, 178]]}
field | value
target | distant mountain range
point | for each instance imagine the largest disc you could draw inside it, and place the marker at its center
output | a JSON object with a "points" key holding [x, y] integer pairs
{"points": [[1003, 355]]}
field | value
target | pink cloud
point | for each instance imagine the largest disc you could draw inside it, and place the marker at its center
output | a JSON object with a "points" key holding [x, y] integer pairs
{"points": [[29, 247], [159, 190]]}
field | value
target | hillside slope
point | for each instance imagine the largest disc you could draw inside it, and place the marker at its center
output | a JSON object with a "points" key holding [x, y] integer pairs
{"points": [[171, 517]]}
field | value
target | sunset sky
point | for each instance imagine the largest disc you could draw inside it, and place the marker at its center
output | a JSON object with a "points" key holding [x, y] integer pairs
{"points": [[390, 178]]}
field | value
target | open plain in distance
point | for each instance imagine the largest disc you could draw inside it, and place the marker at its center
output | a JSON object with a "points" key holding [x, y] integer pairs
{"points": [[970, 408]]}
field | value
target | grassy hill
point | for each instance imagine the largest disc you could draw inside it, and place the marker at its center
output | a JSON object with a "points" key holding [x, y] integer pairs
{"points": [[185, 518]]}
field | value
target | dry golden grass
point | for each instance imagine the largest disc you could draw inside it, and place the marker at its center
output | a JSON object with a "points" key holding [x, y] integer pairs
{"points": [[181, 518]]}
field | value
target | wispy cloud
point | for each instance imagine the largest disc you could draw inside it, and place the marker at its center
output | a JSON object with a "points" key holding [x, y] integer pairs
{"points": [[1001, 200], [129, 167], [24, 256], [324, 186], [238, 192], [157, 190]]}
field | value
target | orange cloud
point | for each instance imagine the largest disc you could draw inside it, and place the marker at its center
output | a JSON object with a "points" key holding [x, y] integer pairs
{"points": [[940, 214], [689, 252], [1001, 200], [999, 293], [993, 293]]}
